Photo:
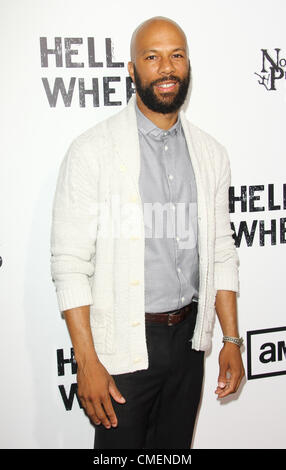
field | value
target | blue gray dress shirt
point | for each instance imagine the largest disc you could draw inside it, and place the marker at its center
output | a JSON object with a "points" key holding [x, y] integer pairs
{"points": [[168, 191]]}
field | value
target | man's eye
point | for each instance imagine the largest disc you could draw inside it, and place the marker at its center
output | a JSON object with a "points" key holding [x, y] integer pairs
{"points": [[177, 55], [151, 57]]}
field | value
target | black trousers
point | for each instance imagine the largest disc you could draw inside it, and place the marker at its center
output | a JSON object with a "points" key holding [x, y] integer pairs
{"points": [[161, 401]]}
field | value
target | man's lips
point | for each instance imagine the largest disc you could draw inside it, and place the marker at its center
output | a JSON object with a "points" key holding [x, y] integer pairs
{"points": [[166, 86]]}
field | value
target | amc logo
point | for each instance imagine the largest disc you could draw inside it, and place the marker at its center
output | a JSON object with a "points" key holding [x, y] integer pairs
{"points": [[266, 352]]}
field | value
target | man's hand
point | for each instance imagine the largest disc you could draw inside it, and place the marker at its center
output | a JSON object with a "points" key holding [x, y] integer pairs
{"points": [[95, 385], [231, 370], [230, 362]]}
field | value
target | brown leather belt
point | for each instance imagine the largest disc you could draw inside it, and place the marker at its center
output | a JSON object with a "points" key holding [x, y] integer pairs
{"points": [[174, 316]]}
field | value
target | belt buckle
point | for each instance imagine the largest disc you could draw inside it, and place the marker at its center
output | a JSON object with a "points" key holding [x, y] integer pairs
{"points": [[170, 317], [169, 320]]}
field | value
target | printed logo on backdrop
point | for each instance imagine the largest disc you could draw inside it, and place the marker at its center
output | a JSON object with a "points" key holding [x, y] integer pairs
{"points": [[266, 200], [273, 70], [67, 368], [72, 90], [266, 352]]}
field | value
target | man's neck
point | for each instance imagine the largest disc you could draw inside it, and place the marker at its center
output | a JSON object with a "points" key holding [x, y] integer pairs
{"points": [[163, 121]]}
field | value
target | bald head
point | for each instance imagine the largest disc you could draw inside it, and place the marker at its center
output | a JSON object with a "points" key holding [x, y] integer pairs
{"points": [[153, 30]]}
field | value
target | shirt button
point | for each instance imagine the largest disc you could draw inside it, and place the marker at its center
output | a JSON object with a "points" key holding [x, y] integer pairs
{"points": [[173, 206], [171, 177], [183, 298], [177, 238], [166, 147], [135, 282], [137, 359], [135, 323], [179, 270]]}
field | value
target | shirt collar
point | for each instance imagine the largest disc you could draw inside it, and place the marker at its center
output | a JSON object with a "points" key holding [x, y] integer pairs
{"points": [[147, 127]]}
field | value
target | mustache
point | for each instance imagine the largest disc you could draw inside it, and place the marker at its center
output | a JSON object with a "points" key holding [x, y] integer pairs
{"points": [[166, 79]]}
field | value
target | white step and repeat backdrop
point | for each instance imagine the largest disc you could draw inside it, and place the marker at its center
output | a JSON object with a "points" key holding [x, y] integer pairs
{"points": [[64, 68]]}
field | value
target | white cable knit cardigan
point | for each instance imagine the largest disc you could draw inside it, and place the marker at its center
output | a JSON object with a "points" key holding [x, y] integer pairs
{"points": [[92, 265]]}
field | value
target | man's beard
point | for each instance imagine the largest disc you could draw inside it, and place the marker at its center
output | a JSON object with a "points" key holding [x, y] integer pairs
{"points": [[163, 106]]}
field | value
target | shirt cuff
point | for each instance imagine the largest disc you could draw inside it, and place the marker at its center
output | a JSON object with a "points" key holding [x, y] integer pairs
{"points": [[226, 280], [74, 297]]}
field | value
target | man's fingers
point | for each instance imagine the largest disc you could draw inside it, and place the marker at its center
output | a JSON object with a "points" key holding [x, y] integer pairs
{"points": [[240, 377], [96, 412], [105, 411], [222, 378], [91, 413], [96, 400], [109, 410], [231, 385], [100, 413], [115, 392], [89, 409], [228, 389]]}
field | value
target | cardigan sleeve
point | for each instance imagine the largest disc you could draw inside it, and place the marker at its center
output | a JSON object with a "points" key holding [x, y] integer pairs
{"points": [[74, 227], [226, 257]]}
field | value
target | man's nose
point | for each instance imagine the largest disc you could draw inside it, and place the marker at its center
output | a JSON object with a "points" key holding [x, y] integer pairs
{"points": [[166, 66]]}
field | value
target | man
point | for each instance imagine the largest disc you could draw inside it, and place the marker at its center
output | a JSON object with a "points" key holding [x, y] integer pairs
{"points": [[140, 307]]}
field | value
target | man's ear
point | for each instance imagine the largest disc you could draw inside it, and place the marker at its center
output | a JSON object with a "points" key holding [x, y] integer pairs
{"points": [[131, 70]]}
